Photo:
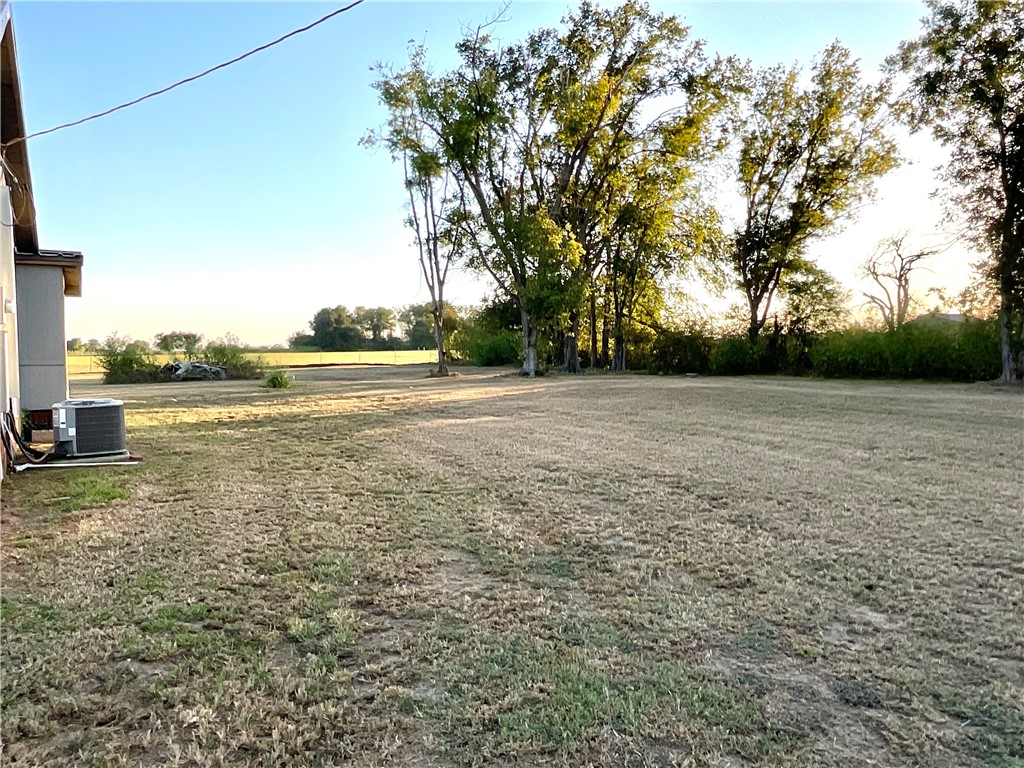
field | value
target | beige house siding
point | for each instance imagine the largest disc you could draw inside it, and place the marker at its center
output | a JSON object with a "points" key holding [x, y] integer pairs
{"points": [[41, 346], [9, 383]]}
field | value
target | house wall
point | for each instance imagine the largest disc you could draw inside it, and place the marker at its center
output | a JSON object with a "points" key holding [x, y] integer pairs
{"points": [[9, 388], [41, 346]]}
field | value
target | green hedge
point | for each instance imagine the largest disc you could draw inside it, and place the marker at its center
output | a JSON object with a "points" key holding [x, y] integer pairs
{"points": [[967, 351], [679, 352], [480, 346], [736, 356]]}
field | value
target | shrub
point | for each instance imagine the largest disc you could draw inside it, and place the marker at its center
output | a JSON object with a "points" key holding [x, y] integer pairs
{"points": [[854, 352], [731, 356], [681, 352], [302, 342], [126, 363], [797, 346], [480, 346], [234, 361], [640, 349], [735, 356], [961, 352], [278, 380]]}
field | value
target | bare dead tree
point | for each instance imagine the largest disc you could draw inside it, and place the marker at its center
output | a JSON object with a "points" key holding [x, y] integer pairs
{"points": [[890, 267]]}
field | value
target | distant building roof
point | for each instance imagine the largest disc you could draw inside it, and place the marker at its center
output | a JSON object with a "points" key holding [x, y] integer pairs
{"points": [[939, 317]]}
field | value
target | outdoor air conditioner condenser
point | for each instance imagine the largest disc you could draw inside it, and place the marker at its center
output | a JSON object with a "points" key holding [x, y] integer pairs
{"points": [[89, 427]]}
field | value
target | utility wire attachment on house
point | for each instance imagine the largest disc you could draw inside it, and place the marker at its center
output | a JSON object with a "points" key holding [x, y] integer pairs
{"points": [[193, 78]]}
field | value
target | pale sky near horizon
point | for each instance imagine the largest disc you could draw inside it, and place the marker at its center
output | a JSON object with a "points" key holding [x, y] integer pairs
{"points": [[242, 203]]}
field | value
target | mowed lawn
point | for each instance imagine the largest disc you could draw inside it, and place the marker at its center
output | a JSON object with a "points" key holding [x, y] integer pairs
{"points": [[376, 568]]}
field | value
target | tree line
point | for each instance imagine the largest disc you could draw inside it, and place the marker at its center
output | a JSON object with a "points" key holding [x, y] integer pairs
{"points": [[339, 329], [577, 169], [187, 345]]}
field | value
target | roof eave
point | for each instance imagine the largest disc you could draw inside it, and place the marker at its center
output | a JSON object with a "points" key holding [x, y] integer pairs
{"points": [[70, 262], [12, 127]]}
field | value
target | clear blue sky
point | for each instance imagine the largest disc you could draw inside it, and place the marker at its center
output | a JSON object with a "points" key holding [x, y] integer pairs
{"points": [[243, 202]]}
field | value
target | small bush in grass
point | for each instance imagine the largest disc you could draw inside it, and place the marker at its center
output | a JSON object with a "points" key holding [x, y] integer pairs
{"points": [[124, 362], [278, 380], [234, 361]]}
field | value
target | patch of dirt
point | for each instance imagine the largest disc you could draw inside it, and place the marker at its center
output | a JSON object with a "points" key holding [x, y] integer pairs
{"points": [[148, 671], [283, 657], [387, 639], [142, 672], [458, 575], [838, 633], [874, 618], [794, 694], [427, 691]]}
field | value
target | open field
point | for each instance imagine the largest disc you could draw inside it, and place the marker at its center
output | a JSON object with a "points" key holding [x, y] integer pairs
{"points": [[375, 568], [79, 365]]}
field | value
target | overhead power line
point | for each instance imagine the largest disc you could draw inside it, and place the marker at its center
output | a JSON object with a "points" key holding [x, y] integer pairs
{"points": [[180, 83]]}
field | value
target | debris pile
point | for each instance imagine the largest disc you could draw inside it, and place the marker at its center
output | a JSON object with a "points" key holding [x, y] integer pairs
{"points": [[179, 371]]}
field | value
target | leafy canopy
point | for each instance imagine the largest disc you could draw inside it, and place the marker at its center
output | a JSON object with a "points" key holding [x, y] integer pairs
{"points": [[808, 158]]}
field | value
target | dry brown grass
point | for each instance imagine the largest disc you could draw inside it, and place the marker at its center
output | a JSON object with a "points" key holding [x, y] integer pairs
{"points": [[376, 568]]}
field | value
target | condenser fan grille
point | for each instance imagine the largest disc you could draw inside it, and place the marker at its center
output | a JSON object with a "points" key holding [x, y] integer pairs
{"points": [[100, 430]]}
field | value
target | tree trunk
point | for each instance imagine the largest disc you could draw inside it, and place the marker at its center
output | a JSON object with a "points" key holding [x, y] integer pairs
{"points": [[593, 331], [773, 343], [1020, 348], [604, 340], [442, 355], [619, 363], [570, 346], [529, 345], [1006, 348], [571, 354], [754, 329]]}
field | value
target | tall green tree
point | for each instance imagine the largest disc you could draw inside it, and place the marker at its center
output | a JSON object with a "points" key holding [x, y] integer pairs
{"points": [[609, 162], [660, 226], [417, 322], [535, 135], [335, 330], [967, 75], [437, 226], [815, 304], [639, 250], [376, 322], [185, 343], [808, 157]]}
